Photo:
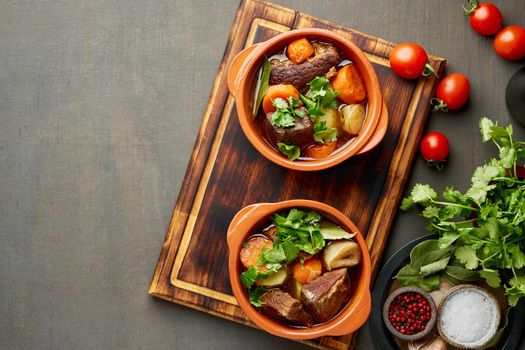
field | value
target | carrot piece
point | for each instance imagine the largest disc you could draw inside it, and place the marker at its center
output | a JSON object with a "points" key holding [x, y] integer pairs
{"points": [[349, 84], [253, 248], [321, 150], [299, 50], [278, 91], [306, 272]]}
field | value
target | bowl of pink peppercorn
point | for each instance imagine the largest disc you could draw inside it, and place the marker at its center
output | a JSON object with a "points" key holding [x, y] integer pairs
{"points": [[409, 313]]}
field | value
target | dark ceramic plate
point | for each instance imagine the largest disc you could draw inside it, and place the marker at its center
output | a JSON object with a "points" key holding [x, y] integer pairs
{"points": [[382, 337]]}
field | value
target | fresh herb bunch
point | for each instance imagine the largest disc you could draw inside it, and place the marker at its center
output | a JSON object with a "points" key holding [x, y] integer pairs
{"points": [[297, 231], [318, 97], [481, 231]]}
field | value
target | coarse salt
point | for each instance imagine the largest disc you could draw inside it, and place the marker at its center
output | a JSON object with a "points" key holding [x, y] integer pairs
{"points": [[469, 317]]}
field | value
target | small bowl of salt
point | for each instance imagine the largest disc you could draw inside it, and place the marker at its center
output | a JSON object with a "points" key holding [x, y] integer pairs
{"points": [[468, 317]]}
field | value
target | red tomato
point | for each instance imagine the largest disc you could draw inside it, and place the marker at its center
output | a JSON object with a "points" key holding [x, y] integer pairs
{"points": [[435, 147], [409, 61], [510, 43], [452, 92], [485, 18]]}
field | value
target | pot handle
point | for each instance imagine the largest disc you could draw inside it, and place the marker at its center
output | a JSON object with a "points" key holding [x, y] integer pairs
{"points": [[379, 132], [235, 67]]}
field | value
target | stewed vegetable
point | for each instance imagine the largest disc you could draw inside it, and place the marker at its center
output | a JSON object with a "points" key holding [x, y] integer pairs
{"points": [[306, 93], [297, 267]]}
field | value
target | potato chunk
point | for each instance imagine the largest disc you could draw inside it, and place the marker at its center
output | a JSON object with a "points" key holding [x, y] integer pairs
{"points": [[341, 253], [352, 118]]}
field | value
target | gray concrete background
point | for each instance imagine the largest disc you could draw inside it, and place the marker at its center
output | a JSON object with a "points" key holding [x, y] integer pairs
{"points": [[100, 103]]}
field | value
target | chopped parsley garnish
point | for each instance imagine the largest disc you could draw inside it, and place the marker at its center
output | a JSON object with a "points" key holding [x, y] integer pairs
{"points": [[291, 151], [323, 134], [255, 296], [284, 116], [319, 96]]}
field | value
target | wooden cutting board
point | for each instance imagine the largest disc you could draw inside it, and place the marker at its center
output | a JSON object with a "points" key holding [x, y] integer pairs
{"points": [[226, 173]]}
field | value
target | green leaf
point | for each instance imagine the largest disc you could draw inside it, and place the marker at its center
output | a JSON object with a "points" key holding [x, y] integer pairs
{"points": [[291, 151], [323, 134], [286, 112], [447, 239], [431, 212], [515, 290], [290, 251], [485, 126], [517, 255], [331, 231], [429, 283], [408, 277], [249, 277], [423, 193], [274, 255], [407, 204], [319, 96], [317, 241], [434, 267], [461, 274], [312, 217], [263, 87], [491, 277], [507, 157], [254, 295], [492, 227], [467, 255]]}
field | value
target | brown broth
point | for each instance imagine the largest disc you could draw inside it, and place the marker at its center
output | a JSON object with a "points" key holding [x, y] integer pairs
{"points": [[342, 141]]}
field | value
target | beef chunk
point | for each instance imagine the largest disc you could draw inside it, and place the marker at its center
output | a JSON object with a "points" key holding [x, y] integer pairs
{"points": [[287, 72], [301, 134], [325, 296], [281, 305]]}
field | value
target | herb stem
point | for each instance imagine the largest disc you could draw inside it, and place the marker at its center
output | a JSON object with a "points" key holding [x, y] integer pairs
{"points": [[453, 205]]}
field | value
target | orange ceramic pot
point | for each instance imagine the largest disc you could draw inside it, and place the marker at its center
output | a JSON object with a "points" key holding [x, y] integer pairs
{"points": [[353, 316], [243, 72]]}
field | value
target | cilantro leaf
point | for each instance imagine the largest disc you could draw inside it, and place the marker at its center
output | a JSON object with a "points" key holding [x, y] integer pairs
{"points": [[291, 151], [467, 255], [422, 194], [491, 277], [323, 134], [515, 290], [254, 295], [485, 126], [447, 239], [319, 96], [249, 277], [286, 112], [273, 255], [507, 157]]}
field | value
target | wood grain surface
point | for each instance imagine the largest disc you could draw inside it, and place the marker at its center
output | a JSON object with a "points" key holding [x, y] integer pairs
{"points": [[100, 105], [225, 173]]}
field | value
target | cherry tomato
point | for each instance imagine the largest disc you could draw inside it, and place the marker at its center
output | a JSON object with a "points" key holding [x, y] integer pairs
{"points": [[484, 18], [434, 149], [510, 43], [410, 61], [452, 92]]}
